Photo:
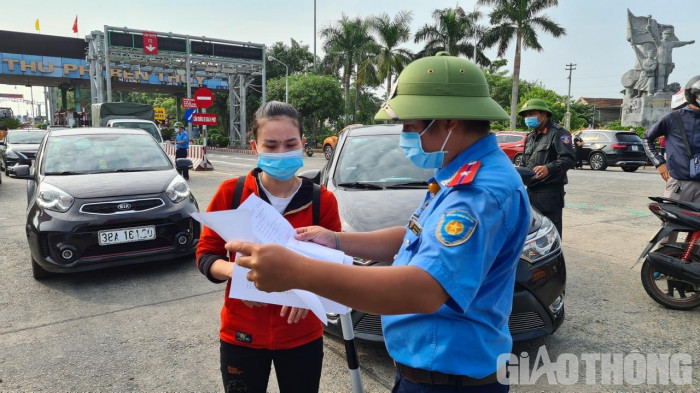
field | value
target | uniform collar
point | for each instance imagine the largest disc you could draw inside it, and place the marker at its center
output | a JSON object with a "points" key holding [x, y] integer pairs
{"points": [[475, 152]]}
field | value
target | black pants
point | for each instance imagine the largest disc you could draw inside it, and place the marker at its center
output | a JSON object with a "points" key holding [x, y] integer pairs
{"points": [[578, 155], [402, 385], [248, 370], [184, 171], [550, 203]]}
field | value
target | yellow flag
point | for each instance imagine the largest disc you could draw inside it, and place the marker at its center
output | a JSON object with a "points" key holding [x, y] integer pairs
{"points": [[36, 25]]}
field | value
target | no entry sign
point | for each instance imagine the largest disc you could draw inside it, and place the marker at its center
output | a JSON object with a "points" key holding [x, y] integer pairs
{"points": [[204, 98], [204, 119]]}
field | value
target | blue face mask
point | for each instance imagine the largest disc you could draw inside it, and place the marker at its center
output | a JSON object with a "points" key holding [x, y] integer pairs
{"points": [[532, 122], [413, 149], [280, 166]]}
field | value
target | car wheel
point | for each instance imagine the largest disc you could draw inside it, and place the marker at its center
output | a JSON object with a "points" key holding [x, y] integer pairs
{"points": [[518, 159], [328, 151], [598, 162], [629, 168], [39, 272]]}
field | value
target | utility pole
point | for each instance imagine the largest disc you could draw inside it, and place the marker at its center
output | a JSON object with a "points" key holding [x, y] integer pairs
{"points": [[315, 72], [567, 123]]}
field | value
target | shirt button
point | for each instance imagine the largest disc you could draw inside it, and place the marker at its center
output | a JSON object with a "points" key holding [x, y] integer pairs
{"points": [[406, 242]]}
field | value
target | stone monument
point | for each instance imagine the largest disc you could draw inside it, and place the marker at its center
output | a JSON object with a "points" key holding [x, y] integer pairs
{"points": [[647, 90]]}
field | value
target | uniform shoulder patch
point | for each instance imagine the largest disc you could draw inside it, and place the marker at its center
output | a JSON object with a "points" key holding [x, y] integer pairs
{"points": [[566, 139], [455, 227], [465, 175]]}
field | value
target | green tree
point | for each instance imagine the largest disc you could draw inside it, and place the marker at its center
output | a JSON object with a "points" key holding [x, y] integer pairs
{"points": [[390, 34], [346, 45], [580, 112], [297, 57], [518, 19], [318, 98], [450, 33]]}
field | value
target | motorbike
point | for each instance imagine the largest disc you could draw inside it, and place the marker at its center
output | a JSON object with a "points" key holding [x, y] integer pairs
{"points": [[308, 150], [671, 273]]}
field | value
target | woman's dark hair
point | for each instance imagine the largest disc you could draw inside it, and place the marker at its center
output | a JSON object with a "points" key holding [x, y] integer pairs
{"points": [[274, 110]]}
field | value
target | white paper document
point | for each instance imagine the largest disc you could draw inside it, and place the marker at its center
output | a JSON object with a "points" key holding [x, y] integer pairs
{"points": [[258, 222]]}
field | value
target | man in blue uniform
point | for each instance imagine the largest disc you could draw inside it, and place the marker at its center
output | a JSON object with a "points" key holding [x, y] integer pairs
{"points": [[182, 144], [447, 297]]}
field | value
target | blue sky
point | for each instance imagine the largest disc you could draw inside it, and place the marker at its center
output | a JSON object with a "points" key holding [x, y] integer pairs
{"points": [[595, 39]]}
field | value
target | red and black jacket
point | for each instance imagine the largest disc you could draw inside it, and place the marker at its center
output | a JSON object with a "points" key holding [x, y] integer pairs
{"points": [[262, 327]]}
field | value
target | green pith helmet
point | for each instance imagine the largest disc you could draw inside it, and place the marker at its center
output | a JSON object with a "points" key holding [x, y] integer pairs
{"points": [[441, 87], [177, 124], [535, 104]]}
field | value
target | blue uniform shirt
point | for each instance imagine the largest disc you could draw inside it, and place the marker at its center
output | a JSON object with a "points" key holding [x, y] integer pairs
{"points": [[182, 136], [469, 239]]}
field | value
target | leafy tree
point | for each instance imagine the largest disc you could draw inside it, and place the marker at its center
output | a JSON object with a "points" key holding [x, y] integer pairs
{"points": [[10, 123], [580, 112], [346, 45], [390, 34], [297, 57], [318, 98], [518, 19], [451, 32]]}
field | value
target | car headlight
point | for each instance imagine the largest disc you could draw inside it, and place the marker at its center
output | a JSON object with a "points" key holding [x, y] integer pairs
{"points": [[542, 243], [11, 154], [178, 190], [53, 198]]}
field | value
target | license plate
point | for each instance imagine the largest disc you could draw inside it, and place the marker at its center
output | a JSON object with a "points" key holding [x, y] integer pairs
{"points": [[126, 235], [635, 148]]}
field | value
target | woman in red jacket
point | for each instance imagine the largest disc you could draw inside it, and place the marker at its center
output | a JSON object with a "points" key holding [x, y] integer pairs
{"points": [[255, 335]]}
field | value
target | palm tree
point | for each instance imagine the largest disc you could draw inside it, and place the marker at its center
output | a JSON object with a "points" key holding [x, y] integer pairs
{"points": [[390, 34], [452, 32], [518, 19], [345, 45]]}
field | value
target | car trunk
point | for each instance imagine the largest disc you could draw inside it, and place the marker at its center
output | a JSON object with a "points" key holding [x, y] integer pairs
{"points": [[629, 146]]}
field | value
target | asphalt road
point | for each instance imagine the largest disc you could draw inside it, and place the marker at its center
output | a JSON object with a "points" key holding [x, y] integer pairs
{"points": [[155, 327]]}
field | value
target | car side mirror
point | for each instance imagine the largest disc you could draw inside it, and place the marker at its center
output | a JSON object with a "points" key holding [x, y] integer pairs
{"points": [[21, 171], [525, 174], [184, 163], [312, 174]]}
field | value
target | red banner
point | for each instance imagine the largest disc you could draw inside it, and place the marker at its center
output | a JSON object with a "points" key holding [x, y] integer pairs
{"points": [[204, 119]]}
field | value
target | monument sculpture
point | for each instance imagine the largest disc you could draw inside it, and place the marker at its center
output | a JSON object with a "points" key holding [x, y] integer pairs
{"points": [[647, 90]]}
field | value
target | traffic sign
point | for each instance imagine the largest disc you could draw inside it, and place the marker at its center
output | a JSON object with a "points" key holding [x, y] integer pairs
{"points": [[204, 98], [204, 119], [159, 113], [189, 103], [188, 115], [150, 43]]}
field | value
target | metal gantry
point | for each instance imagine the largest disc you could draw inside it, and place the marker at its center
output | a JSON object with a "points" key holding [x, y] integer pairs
{"points": [[222, 64]]}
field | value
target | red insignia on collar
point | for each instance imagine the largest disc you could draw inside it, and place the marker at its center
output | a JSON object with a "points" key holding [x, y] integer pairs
{"points": [[465, 175]]}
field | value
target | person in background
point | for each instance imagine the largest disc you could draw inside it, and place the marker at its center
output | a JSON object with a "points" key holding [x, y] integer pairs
{"points": [[550, 154], [182, 144], [255, 335], [578, 150]]}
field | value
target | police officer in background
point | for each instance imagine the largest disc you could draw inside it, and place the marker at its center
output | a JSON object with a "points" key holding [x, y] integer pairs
{"points": [[549, 153], [446, 300], [182, 144], [675, 168]]}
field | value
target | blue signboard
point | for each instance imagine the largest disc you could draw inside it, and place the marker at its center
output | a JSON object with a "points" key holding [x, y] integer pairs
{"points": [[188, 114], [61, 67]]}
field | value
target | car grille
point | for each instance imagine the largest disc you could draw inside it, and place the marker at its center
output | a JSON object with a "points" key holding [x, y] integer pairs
{"points": [[526, 321], [97, 250], [369, 324], [122, 207]]}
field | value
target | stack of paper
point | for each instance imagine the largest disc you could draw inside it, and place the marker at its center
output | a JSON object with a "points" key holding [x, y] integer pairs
{"points": [[257, 222]]}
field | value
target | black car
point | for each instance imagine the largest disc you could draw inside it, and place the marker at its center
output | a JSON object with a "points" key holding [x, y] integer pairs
{"points": [[377, 187], [105, 197], [604, 148], [19, 148]]}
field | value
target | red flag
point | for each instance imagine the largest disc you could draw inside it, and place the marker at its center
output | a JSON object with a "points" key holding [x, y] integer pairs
{"points": [[75, 25]]}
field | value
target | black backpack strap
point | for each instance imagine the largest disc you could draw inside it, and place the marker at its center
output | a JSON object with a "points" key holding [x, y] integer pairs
{"points": [[316, 204], [677, 118], [238, 192]]}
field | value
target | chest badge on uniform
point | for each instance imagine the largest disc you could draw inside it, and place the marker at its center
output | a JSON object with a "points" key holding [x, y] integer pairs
{"points": [[455, 227], [566, 139], [415, 227]]}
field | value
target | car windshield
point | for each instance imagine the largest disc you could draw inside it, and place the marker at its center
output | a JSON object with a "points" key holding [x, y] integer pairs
{"points": [[148, 127], [377, 160], [28, 138], [628, 138], [82, 154]]}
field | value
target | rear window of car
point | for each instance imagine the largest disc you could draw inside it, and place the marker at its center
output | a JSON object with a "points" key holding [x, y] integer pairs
{"points": [[515, 138], [29, 138], [148, 127], [626, 137]]}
